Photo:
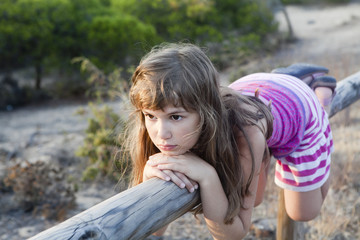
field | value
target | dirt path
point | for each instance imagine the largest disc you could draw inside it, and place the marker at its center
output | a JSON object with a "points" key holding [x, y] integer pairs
{"points": [[326, 35]]}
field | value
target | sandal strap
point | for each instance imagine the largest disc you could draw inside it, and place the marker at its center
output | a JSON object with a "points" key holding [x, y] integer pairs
{"points": [[304, 71], [324, 81]]}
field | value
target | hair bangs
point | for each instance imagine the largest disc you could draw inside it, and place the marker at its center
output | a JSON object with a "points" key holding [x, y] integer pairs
{"points": [[156, 92]]}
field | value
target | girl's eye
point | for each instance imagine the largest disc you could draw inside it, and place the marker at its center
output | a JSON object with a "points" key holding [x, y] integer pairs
{"points": [[149, 116], [176, 117]]}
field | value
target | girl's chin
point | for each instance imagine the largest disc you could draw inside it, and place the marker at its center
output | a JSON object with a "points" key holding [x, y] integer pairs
{"points": [[173, 153]]}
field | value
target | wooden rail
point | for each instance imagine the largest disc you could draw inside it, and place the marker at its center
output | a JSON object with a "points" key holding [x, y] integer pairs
{"points": [[347, 92], [141, 210], [131, 214]]}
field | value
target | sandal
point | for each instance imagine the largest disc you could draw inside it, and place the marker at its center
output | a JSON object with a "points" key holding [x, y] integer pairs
{"points": [[328, 82], [304, 71], [324, 81]]}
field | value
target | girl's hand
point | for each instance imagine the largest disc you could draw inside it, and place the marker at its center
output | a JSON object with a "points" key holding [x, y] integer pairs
{"points": [[178, 178], [187, 169], [151, 172]]}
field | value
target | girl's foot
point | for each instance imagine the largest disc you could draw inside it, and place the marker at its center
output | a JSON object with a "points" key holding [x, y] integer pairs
{"points": [[304, 71], [315, 77], [324, 88]]}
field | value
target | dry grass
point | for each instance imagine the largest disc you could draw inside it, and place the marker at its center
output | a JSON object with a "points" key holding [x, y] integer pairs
{"points": [[340, 216]]}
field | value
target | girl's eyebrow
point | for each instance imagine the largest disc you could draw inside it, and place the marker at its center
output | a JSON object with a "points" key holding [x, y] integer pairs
{"points": [[176, 111], [169, 111]]}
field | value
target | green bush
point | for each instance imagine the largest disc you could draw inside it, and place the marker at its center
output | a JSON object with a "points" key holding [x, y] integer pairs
{"points": [[102, 141], [201, 21], [112, 33], [44, 34], [114, 38], [314, 2]]}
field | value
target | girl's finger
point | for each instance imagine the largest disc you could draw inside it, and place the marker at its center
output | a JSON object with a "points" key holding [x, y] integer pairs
{"points": [[175, 178], [159, 158], [154, 160], [151, 172], [195, 184], [152, 163], [189, 184], [164, 176]]}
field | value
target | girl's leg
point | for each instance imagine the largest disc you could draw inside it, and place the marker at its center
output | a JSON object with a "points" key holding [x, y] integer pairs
{"points": [[305, 206], [324, 88], [325, 96], [315, 77]]}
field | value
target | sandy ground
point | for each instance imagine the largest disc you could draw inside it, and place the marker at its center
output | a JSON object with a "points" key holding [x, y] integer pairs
{"points": [[323, 33]]}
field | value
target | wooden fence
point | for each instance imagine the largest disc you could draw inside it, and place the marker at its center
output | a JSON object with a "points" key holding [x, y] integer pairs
{"points": [[141, 210]]}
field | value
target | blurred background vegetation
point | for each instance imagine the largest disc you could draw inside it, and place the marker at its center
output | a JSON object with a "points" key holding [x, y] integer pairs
{"points": [[61, 49], [42, 36]]}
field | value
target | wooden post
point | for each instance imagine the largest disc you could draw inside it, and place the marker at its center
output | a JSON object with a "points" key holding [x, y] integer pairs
{"points": [[131, 214], [285, 225], [141, 210], [347, 92]]}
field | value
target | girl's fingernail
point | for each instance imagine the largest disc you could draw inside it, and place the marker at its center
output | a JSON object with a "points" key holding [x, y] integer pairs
{"points": [[196, 186], [167, 179], [182, 185], [191, 189]]}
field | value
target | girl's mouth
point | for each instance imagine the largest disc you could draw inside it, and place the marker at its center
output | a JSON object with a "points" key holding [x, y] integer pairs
{"points": [[166, 147]]}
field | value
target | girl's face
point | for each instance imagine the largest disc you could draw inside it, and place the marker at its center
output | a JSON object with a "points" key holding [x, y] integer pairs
{"points": [[173, 130]]}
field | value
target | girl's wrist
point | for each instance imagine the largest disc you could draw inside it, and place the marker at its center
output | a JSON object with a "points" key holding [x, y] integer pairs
{"points": [[210, 176]]}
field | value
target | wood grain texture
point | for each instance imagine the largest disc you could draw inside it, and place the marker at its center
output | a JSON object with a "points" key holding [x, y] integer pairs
{"points": [[347, 92], [131, 214]]}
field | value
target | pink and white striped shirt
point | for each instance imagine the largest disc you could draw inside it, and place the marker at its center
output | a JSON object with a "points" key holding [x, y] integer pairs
{"points": [[301, 140]]}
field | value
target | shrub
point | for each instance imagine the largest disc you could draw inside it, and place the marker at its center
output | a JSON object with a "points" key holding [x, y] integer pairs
{"points": [[41, 188], [102, 141], [312, 2], [201, 21]]}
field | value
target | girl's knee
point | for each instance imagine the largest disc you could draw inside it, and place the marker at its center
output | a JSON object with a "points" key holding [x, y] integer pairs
{"points": [[303, 206], [302, 215]]}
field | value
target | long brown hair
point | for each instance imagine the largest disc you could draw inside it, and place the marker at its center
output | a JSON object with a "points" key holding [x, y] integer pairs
{"points": [[182, 75]]}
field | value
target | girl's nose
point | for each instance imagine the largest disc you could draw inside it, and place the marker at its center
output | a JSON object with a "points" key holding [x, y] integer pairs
{"points": [[164, 130]]}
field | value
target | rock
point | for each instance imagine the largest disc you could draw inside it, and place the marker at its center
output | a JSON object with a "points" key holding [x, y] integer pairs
{"points": [[27, 232], [262, 228]]}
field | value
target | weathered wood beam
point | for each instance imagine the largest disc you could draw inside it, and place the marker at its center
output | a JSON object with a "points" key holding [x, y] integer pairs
{"points": [[347, 92], [131, 214]]}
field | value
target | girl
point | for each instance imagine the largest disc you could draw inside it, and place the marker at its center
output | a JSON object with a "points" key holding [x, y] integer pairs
{"points": [[187, 129]]}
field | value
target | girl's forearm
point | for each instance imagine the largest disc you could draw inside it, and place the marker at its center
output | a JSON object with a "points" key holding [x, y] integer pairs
{"points": [[215, 205], [161, 231]]}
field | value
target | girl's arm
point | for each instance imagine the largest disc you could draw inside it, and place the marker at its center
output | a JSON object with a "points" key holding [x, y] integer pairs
{"points": [[213, 197], [264, 170], [215, 208], [180, 179]]}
